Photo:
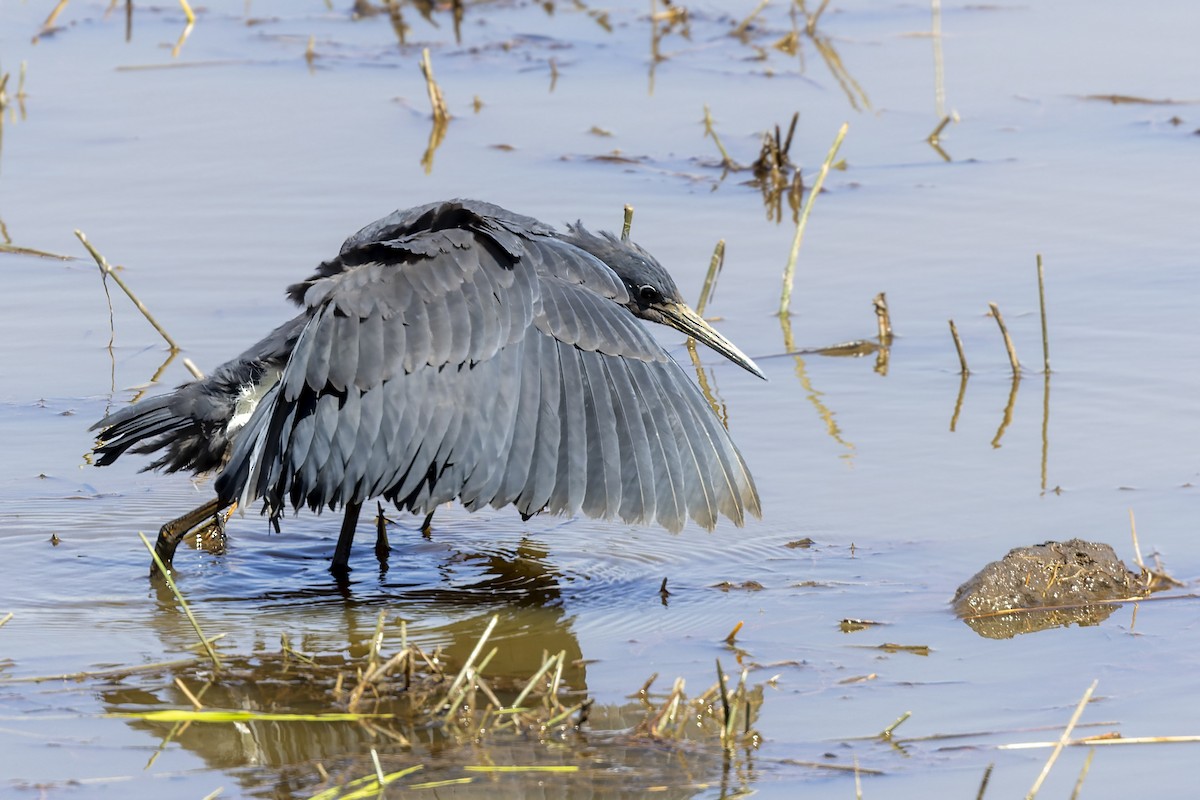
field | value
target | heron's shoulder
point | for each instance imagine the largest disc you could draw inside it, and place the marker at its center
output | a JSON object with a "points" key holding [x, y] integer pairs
{"points": [[433, 231]]}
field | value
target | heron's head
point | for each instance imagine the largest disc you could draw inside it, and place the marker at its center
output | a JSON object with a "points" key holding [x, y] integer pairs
{"points": [[653, 294]]}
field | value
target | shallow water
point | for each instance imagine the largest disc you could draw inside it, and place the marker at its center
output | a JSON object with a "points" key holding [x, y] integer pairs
{"points": [[221, 175]]}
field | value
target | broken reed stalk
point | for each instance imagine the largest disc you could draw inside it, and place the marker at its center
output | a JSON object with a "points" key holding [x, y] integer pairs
{"points": [[462, 673], [108, 272], [724, 705], [1008, 342], [192, 368], [1087, 765], [789, 273], [741, 28], [886, 733], [710, 280], [883, 317], [627, 223], [537, 676], [810, 24], [987, 776], [710, 130], [166, 574], [962, 356], [1062, 740], [1042, 303], [436, 100], [9, 616], [935, 135]]}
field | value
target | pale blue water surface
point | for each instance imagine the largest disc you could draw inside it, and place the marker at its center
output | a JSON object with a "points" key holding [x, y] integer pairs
{"points": [[218, 176]]}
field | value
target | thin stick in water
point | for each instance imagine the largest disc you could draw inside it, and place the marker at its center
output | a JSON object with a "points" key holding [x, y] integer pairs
{"points": [[1008, 342], [710, 130], [162, 570], [1062, 741], [987, 776], [883, 317], [627, 223], [436, 100], [710, 280], [789, 272], [1042, 302], [108, 272], [1087, 765], [192, 368], [962, 356], [462, 674], [741, 28]]}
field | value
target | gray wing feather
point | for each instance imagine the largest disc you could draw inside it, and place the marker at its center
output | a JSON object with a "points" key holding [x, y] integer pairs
{"points": [[489, 362]]}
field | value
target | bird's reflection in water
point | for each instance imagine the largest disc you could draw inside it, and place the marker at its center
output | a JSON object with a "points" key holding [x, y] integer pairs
{"points": [[448, 613]]}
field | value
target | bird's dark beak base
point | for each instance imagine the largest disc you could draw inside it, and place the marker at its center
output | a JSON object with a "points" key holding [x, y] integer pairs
{"points": [[683, 318]]}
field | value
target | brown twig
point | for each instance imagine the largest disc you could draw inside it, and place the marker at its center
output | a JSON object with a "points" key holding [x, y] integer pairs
{"points": [[958, 345], [1042, 303], [1062, 740], [789, 272], [1008, 342], [883, 318], [436, 100], [710, 279], [108, 272]]}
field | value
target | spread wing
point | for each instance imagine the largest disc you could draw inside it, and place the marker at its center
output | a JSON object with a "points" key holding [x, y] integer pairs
{"points": [[460, 351]]}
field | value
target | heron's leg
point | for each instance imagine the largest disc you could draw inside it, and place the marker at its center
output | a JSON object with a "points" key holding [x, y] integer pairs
{"points": [[171, 533], [341, 554], [426, 528], [382, 548]]}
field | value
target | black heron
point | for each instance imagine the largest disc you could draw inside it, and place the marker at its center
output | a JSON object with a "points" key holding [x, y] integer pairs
{"points": [[458, 351]]}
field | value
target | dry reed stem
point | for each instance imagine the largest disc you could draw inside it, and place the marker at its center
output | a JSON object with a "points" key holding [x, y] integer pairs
{"points": [[789, 273], [1087, 765], [741, 28], [958, 345], [983, 784], [436, 100], [192, 368], [113, 672], [8, 247], [58, 7], [724, 706], [162, 570], [1062, 740], [627, 222], [193, 699], [886, 733], [108, 272], [810, 24], [1137, 549], [710, 279], [710, 130], [1098, 741], [462, 673], [1008, 342], [883, 318], [6, 618], [1041, 273], [934, 137]]}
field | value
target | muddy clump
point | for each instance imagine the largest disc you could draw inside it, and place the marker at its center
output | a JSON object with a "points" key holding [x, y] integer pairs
{"points": [[1049, 585]]}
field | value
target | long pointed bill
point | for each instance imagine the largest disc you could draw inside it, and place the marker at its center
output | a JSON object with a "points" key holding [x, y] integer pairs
{"points": [[682, 318]]}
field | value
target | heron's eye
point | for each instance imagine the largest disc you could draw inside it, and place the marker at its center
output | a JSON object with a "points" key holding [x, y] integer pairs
{"points": [[649, 294]]}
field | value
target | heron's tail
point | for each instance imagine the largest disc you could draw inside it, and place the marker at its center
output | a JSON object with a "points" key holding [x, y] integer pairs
{"points": [[146, 426]]}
